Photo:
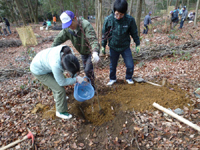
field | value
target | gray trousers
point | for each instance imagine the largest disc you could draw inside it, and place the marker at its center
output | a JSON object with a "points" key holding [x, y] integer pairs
{"points": [[58, 91]]}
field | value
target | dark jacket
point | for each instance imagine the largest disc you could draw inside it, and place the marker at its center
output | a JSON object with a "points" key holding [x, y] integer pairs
{"points": [[7, 22], [82, 41], [118, 32], [174, 18]]}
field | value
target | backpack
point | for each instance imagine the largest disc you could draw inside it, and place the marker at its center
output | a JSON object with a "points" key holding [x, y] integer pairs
{"points": [[175, 14]]}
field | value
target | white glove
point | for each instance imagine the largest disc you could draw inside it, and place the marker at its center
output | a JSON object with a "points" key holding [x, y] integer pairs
{"points": [[95, 57], [79, 79]]}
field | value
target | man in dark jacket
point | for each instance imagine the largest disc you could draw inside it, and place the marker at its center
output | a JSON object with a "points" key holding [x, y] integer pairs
{"points": [[147, 21], [7, 24], [117, 29]]}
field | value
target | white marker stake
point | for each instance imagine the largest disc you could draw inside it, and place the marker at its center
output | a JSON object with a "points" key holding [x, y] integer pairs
{"points": [[171, 113]]}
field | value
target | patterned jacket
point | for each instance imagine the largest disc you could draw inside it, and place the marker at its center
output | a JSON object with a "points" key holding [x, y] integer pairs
{"points": [[84, 39], [118, 32]]}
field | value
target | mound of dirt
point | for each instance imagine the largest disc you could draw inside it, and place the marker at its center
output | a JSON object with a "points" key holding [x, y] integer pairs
{"points": [[122, 97]]}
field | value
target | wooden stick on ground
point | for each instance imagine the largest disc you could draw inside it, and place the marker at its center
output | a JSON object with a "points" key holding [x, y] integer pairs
{"points": [[169, 112]]}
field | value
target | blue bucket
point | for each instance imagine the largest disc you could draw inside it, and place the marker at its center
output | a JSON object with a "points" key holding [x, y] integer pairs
{"points": [[83, 91]]}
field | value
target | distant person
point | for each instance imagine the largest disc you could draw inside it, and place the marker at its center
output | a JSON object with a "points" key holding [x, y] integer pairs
{"points": [[180, 13], [7, 24], [147, 21], [176, 13], [1, 32], [183, 17], [178, 9], [174, 18], [48, 67], [44, 24], [191, 16], [3, 26], [83, 37], [48, 24], [54, 21], [117, 29]]}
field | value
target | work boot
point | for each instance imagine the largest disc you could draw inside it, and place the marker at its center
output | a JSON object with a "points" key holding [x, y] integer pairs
{"points": [[111, 82], [130, 81], [63, 115]]}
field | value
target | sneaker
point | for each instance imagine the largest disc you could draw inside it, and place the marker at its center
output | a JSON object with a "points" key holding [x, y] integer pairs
{"points": [[111, 82], [130, 81], [63, 115], [66, 98]]}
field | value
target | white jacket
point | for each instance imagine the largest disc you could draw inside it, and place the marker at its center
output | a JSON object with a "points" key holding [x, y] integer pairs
{"points": [[49, 61]]}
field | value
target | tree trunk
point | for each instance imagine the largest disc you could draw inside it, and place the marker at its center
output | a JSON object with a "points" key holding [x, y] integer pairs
{"points": [[177, 1], [17, 15], [96, 14], [188, 3], [138, 15], [131, 7], [167, 6], [36, 11], [61, 3], [10, 5], [21, 11], [30, 10], [51, 8], [154, 7], [145, 8], [85, 12], [76, 12], [99, 19], [196, 13], [170, 1]]}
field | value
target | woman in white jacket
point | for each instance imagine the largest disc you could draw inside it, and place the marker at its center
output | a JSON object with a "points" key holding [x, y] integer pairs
{"points": [[48, 67]]}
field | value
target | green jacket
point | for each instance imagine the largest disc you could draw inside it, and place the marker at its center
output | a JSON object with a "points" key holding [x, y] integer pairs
{"points": [[118, 32], [84, 41]]}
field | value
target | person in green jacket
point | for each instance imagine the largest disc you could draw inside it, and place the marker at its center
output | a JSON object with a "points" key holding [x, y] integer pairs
{"points": [[117, 29], [83, 37]]}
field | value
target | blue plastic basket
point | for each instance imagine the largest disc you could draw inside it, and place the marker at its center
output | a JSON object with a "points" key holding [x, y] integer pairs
{"points": [[83, 91]]}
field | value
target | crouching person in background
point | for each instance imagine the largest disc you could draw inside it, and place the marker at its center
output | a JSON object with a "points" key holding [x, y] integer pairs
{"points": [[48, 67], [3, 26]]}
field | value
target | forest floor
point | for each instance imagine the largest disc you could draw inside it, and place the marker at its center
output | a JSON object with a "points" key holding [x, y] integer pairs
{"points": [[127, 119]]}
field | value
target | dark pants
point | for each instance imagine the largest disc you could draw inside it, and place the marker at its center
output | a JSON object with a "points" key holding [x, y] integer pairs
{"points": [[9, 29], [145, 30], [54, 23], [88, 67], [5, 31], [181, 24], [128, 59]]}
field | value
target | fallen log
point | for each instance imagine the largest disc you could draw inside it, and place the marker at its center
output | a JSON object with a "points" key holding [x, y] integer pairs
{"points": [[10, 43], [169, 112], [11, 73]]}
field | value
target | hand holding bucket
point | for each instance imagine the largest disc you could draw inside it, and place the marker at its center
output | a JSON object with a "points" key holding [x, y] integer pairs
{"points": [[83, 91]]}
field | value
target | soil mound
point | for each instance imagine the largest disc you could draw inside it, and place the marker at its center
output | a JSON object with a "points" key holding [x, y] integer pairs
{"points": [[123, 97]]}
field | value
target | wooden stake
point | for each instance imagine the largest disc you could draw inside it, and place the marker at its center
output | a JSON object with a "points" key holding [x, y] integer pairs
{"points": [[169, 112]]}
